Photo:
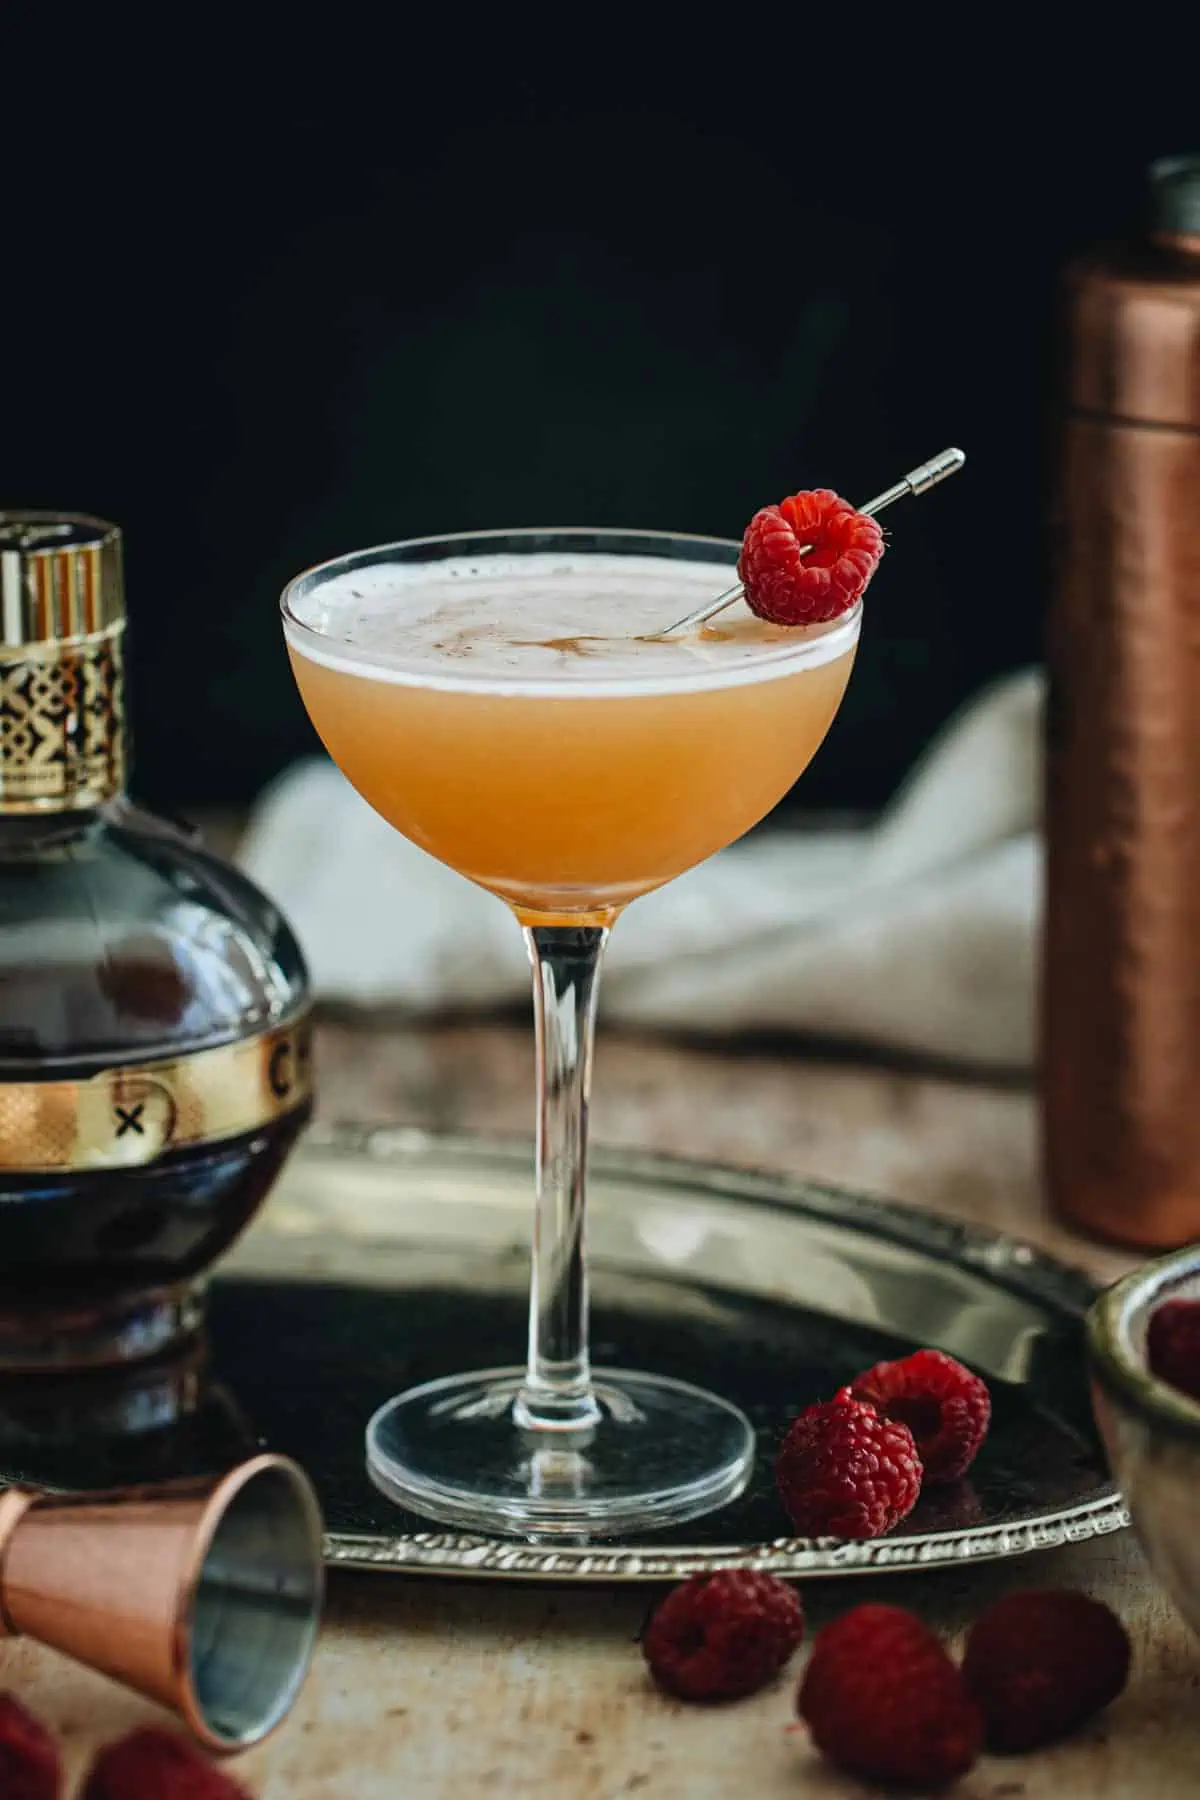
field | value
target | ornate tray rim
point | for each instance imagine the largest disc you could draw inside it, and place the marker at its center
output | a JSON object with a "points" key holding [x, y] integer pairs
{"points": [[1009, 1261]]}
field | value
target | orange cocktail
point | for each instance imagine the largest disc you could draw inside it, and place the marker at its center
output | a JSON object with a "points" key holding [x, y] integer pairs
{"points": [[509, 715], [510, 703]]}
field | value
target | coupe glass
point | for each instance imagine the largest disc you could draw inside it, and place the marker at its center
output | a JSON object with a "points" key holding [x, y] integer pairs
{"points": [[567, 790]]}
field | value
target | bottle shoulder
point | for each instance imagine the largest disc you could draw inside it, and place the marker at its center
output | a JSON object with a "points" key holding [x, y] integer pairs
{"points": [[122, 936]]}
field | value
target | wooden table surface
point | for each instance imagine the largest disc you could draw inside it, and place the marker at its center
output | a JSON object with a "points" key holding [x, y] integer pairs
{"points": [[426, 1688]]}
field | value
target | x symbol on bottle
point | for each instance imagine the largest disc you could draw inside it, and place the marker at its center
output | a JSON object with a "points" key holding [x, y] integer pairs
{"points": [[130, 1119]]}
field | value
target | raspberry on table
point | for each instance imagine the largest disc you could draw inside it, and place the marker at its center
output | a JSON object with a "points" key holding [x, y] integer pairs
{"points": [[946, 1407], [1173, 1345], [883, 1701], [150, 1764], [30, 1768], [790, 588], [724, 1635], [845, 1471], [1040, 1663]]}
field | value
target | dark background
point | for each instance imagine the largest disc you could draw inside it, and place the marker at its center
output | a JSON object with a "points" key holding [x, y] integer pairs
{"points": [[267, 300]]}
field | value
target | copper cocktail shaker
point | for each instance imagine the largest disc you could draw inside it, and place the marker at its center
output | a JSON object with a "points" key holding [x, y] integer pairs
{"points": [[1121, 970]]}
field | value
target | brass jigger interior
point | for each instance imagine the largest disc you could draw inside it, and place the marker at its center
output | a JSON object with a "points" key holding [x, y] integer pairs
{"points": [[206, 1599]]}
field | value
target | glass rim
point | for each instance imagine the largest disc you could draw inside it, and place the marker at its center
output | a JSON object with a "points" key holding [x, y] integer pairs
{"points": [[814, 648]]}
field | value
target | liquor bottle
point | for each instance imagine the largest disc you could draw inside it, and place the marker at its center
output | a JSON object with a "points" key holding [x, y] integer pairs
{"points": [[1121, 968], [154, 1039]]}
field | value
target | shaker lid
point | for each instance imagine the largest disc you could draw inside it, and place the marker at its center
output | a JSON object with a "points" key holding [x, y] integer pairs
{"points": [[60, 578], [1133, 312], [1175, 198]]}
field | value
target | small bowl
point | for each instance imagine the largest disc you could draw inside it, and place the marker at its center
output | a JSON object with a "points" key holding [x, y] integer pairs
{"points": [[1150, 1430]]}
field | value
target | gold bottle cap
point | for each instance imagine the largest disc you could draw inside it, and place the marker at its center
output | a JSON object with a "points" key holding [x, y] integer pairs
{"points": [[60, 578], [62, 615]]}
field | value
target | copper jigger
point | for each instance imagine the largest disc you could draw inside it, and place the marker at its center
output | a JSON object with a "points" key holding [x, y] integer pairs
{"points": [[206, 1599]]}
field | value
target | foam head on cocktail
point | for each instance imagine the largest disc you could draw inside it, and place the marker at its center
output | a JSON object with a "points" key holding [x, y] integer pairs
{"points": [[511, 703]]}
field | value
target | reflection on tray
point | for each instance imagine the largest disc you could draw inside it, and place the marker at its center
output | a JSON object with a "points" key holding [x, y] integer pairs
{"points": [[100, 1430]]}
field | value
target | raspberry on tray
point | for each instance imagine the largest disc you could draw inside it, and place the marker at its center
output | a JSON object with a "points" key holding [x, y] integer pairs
{"points": [[808, 559], [845, 1471], [946, 1407]]}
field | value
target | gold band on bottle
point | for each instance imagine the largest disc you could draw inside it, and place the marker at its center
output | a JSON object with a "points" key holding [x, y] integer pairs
{"points": [[62, 723], [124, 1118]]}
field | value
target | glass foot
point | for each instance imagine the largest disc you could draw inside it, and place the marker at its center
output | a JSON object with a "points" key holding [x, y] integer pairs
{"points": [[663, 1452]]}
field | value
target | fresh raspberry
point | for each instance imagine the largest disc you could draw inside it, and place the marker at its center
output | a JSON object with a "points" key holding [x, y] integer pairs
{"points": [[156, 1765], [843, 1471], [29, 1764], [947, 1409], [723, 1635], [793, 589], [884, 1701], [1039, 1664], [1173, 1345]]}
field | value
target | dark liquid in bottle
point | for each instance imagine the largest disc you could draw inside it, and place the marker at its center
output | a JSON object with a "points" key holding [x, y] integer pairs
{"points": [[129, 960], [86, 1234]]}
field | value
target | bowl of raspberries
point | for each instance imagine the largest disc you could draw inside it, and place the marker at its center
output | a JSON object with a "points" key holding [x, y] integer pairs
{"points": [[1144, 1350]]}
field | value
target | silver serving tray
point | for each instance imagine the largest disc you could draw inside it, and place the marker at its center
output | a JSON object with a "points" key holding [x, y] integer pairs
{"points": [[388, 1256]]}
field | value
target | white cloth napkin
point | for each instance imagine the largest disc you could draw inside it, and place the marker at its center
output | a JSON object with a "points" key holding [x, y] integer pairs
{"points": [[917, 933]]}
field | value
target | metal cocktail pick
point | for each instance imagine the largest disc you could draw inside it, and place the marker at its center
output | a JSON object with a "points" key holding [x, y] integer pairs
{"points": [[917, 481]]}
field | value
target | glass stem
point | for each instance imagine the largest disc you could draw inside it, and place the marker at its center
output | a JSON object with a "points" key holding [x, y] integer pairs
{"points": [[557, 1394]]}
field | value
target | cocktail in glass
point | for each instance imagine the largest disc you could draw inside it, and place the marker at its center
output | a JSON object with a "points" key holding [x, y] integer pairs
{"points": [[507, 701]]}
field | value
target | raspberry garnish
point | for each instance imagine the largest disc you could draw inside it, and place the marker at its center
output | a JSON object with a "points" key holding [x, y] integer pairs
{"points": [[793, 589], [844, 1471], [884, 1701], [29, 1765], [1173, 1345], [1039, 1664], [723, 1635], [946, 1407], [156, 1765]]}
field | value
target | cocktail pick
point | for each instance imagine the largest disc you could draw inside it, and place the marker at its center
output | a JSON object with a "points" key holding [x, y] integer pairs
{"points": [[205, 1597], [917, 481]]}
